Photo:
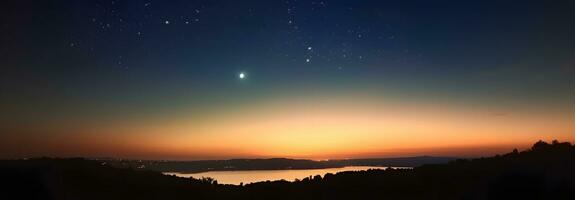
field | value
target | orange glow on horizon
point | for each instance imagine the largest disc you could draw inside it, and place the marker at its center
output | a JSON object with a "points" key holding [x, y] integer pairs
{"points": [[314, 129]]}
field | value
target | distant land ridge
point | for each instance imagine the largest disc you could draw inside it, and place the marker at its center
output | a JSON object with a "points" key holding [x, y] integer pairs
{"points": [[272, 164]]}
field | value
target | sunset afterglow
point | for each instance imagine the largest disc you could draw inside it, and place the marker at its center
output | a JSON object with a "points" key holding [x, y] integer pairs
{"points": [[317, 80], [315, 127]]}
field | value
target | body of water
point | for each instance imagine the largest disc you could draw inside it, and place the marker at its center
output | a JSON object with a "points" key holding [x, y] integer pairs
{"points": [[251, 176]]}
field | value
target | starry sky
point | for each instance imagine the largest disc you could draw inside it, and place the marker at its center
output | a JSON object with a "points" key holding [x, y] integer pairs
{"points": [[211, 79]]}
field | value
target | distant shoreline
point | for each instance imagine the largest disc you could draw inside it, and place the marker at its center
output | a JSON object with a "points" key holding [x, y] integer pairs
{"points": [[192, 167], [201, 166], [199, 172]]}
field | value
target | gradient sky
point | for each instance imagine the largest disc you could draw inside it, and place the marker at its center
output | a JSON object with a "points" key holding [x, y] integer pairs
{"points": [[323, 79]]}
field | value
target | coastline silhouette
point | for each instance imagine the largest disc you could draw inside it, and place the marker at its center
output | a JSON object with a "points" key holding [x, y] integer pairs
{"points": [[545, 171]]}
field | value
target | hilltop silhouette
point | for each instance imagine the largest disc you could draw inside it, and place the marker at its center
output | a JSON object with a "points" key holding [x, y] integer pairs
{"points": [[545, 171]]}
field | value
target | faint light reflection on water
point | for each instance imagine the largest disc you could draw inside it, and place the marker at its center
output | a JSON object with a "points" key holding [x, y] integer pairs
{"points": [[250, 176]]}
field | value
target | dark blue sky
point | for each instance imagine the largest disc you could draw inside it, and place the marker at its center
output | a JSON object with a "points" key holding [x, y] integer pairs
{"points": [[87, 60], [54, 51]]}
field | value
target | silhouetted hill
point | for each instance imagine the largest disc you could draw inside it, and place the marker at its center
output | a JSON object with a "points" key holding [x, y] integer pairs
{"points": [[546, 171], [85, 179], [396, 162], [271, 164]]}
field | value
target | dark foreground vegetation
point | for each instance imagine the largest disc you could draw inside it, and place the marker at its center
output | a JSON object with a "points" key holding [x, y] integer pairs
{"points": [[269, 164], [546, 171]]}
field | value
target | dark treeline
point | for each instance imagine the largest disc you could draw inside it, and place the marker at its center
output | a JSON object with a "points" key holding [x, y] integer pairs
{"points": [[269, 164], [546, 171]]}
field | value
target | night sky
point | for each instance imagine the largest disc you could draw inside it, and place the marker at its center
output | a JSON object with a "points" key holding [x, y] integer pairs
{"points": [[311, 79]]}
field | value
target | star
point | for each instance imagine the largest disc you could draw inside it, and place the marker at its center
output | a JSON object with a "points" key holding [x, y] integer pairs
{"points": [[307, 60], [242, 75], [167, 22]]}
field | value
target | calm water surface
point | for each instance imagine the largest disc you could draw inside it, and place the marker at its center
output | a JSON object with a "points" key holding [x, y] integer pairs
{"points": [[250, 176]]}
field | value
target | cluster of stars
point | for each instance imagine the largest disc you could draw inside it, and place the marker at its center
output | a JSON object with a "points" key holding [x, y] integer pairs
{"points": [[349, 39], [342, 44]]}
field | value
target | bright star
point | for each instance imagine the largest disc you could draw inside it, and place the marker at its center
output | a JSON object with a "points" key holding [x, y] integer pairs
{"points": [[242, 75]]}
